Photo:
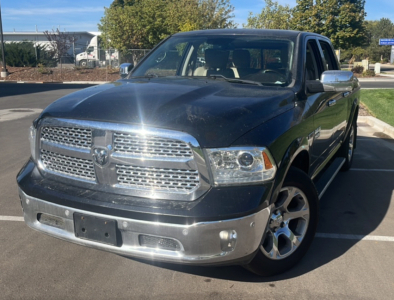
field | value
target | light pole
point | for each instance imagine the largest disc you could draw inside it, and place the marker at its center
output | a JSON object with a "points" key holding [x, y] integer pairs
{"points": [[4, 72]]}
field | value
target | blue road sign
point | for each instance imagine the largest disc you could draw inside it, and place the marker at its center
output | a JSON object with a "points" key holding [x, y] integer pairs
{"points": [[386, 42]]}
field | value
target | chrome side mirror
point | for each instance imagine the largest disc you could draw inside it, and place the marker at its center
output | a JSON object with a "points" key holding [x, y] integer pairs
{"points": [[338, 81], [125, 69]]}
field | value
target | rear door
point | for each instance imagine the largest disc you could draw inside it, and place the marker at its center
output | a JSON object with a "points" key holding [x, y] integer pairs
{"points": [[339, 104]]}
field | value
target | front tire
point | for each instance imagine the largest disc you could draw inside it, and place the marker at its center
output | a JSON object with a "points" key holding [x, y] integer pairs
{"points": [[291, 227], [83, 63], [347, 149]]}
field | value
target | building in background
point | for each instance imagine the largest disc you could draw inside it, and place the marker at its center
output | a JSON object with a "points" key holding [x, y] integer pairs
{"points": [[38, 38]]}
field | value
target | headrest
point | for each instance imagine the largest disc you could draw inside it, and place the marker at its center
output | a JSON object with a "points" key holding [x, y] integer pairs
{"points": [[215, 58], [241, 59]]}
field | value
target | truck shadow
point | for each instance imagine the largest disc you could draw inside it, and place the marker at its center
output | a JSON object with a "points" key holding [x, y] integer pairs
{"points": [[355, 204]]}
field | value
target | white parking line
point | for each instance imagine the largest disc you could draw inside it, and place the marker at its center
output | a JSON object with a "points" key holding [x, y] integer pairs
{"points": [[355, 237], [373, 170], [10, 218]]}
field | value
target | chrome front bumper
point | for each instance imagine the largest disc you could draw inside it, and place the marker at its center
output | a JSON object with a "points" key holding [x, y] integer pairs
{"points": [[201, 243]]}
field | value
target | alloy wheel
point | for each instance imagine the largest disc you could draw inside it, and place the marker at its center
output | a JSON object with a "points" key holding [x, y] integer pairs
{"points": [[288, 224]]}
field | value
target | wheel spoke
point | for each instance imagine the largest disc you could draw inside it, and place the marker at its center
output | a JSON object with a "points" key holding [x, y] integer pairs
{"points": [[290, 235], [274, 251], [303, 213], [290, 195]]}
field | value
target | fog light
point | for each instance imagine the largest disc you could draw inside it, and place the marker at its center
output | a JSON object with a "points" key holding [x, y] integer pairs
{"points": [[159, 243], [51, 220], [228, 239]]}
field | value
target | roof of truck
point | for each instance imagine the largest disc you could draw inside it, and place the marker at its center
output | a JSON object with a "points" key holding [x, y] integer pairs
{"points": [[243, 31]]}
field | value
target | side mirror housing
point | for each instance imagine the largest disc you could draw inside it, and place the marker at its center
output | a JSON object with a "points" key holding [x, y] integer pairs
{"points": [[125, 69], [332, 81], [338, 81]]}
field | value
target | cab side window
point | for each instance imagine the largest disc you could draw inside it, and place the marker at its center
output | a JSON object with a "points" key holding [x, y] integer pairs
{"points": [[331, 63], [313, 68]]}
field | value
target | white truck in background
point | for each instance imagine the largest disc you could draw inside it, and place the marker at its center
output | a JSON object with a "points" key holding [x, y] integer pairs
{"points": [[94, 56]]}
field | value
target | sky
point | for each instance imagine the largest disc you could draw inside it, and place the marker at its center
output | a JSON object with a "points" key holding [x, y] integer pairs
{"points": [[84, 15]]}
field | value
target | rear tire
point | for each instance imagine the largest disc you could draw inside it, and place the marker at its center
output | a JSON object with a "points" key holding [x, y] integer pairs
{"points": [[347, 149], [291, 228]]}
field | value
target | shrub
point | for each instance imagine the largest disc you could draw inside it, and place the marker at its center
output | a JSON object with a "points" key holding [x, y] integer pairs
{"points": [[369, 73], [358, 69], [20, 54], [25, 54], [41, 69]]}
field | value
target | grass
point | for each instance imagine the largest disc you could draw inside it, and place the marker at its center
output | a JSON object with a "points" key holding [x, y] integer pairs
{"points": [[380, 104]]}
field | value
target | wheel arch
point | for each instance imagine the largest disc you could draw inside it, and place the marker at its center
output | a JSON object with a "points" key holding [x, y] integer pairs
{"points": [[296, 155]]}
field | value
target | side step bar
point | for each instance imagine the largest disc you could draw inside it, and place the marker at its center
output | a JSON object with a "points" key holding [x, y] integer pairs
{"points": [[329, 175]]}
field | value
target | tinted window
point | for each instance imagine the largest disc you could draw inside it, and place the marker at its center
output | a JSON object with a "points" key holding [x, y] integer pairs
{"points": [[328, 56], [313, 68]]}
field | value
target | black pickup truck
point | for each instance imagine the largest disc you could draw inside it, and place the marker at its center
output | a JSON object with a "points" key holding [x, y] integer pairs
{"points": [[214, 150]]}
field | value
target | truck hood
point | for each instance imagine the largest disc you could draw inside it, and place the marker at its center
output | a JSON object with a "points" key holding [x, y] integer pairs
{"points": [[214, 111]]}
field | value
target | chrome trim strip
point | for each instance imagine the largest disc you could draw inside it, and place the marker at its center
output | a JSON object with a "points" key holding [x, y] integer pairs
{"points": [[102, 137], [184, 163], [200, 241]]}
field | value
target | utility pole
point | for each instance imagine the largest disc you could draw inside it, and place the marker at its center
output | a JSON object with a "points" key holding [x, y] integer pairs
{"points": [[35, 47], [4, 71]]}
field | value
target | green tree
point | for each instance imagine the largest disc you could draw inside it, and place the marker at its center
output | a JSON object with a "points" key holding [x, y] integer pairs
{"points": [[138, 24], [307, 16], [340, 20], [215, 14], [122, 3], [273, 16], [376, 30]]}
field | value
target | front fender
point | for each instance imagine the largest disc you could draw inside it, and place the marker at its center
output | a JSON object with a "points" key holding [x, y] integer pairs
{"points": [[285, 136]]}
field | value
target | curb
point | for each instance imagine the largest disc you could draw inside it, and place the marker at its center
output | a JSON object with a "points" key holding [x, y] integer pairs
{"points": [[55, 82], [378, 124]]}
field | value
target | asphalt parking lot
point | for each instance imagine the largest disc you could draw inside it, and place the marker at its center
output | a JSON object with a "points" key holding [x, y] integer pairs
{"points": [[351, 257]]}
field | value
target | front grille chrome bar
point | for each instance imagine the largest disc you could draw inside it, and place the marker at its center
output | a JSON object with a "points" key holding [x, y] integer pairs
{"points": [[125, 159]]}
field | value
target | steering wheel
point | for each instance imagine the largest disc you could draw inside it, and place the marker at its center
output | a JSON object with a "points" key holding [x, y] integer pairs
{"points": [[276, 72], [161, 57]]}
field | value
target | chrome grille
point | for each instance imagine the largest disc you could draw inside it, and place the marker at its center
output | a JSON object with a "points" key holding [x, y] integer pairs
{"points": [[68, 165], [70, 136], [151, 146], [139, 160], [159, 179]]}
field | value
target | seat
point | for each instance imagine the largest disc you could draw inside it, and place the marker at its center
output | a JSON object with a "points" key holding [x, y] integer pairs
{"points": [[241, 61], [215, 64]]}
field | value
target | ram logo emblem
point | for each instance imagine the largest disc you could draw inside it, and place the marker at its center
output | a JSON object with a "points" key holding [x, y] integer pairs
{"points": [[100, 156]]}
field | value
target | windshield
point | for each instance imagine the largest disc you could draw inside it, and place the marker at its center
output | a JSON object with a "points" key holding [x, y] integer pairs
{"points": [[251, 58]]}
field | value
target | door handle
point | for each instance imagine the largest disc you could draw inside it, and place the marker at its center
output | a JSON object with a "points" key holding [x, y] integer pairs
{"points": [[332, 102]]}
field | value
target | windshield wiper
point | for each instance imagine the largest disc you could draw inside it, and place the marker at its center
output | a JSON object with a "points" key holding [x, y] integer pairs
{"points": [[235, 80]]}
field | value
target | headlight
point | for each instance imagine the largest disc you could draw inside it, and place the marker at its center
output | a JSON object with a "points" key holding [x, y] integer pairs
{"points": [[32, 140], [241, 165]]}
